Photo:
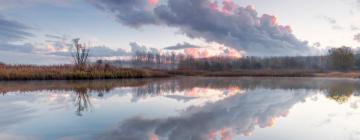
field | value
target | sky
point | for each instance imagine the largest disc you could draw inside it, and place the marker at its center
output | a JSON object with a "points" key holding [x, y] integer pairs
{"points": [[36, 29]]}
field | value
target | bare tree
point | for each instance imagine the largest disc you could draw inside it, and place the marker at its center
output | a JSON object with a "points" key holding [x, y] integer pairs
{"points": [[342, 58], [80, 54]]}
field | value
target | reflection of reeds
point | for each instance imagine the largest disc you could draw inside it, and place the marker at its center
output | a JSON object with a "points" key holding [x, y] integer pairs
{"points": [[337, 89], [69, 72], [90, 85]]}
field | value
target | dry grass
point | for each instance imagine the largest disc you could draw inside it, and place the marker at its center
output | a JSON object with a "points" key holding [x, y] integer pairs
{"points": [[245, 73], [266, 73], [349, 74], [69, 72], [269, 73]]}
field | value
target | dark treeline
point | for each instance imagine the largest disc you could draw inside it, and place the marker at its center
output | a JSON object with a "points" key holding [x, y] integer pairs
{"points": [[342, 58], [220, 64], [337, 59]]}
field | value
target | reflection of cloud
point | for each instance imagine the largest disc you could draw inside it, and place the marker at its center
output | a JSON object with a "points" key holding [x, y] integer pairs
{"points": [[11, 114], [239, 114], [180, 98], [325, 122]]}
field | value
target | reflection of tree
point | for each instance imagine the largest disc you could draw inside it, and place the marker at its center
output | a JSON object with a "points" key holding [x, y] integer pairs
{"points": [[82, 101], [341, 92]]}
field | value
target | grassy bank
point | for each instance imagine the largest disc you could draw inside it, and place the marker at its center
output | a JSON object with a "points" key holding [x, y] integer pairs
{"points": [[69, 72]]}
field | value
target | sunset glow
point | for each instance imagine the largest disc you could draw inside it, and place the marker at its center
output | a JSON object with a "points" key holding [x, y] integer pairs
{"points": [[153, 2]]}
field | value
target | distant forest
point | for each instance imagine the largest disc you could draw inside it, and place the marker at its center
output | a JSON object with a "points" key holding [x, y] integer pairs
{"points": [[343, 59]]}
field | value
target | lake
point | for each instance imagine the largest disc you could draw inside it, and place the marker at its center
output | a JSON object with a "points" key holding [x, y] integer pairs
{"points": [[182, 108]]}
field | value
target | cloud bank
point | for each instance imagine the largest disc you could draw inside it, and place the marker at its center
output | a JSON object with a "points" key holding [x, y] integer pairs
{"points": [[62, 46], [187, 49], [223, 22], [13, 36]]}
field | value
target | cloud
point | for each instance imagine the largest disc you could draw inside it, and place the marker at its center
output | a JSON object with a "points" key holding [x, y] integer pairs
{"points": [[13, 37], [103, 51], [332, 22], [54, 36], [134, 13], [13, 32], [357, 37], [6, 4], [97, 51], [24, 48], [231, 25], [187, 49], [62, 46], [5, 136], [354, 28], [317, 44], [328, 19], [136, 48], [11, 57], [56, 43], [180, 46]]}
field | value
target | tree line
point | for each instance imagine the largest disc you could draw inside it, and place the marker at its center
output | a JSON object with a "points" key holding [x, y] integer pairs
{"points": [[343, 58]]}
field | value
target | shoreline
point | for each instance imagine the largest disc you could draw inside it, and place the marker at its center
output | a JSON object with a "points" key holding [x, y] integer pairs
{"points": [[69, 72], [271, 73]]}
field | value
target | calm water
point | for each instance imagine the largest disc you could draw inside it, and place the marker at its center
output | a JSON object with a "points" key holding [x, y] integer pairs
{"points": [[182, 109]]}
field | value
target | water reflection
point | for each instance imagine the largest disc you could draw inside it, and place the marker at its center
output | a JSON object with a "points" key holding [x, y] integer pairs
{"points": [[183, 89], [341, 92], [82, 101], [214, 108], [223, 119]]}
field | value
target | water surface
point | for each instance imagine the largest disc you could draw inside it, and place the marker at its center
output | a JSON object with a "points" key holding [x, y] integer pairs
{"points": [[184, 108]]}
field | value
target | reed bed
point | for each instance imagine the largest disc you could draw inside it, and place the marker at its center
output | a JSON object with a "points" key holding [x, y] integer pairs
{"points": [[242, 73], [70, 72]]}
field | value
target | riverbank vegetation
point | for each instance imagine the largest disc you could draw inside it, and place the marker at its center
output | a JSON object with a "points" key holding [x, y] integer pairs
{"points": [[72, 72], [339, 62]]}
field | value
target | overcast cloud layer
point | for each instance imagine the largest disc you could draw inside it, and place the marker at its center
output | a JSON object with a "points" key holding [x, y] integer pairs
{"points": [[223, 22]]}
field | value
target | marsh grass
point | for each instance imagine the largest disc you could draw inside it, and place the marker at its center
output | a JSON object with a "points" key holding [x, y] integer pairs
{"points": [[246, 73], [70, 72]]}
